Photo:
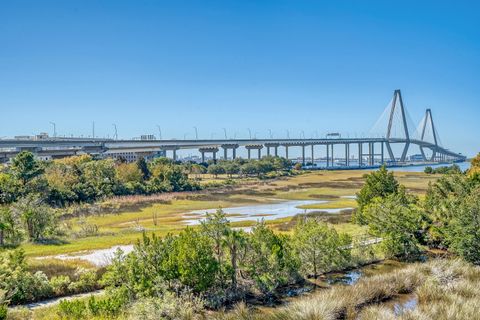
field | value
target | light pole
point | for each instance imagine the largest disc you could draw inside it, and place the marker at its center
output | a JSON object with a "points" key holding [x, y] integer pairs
{"points": [[288, 134], [250, 133], [303, 134], [270, 133], [54, 129], [196, 133], [225, 132], [116, 132], [93, 129], [159, 132]]}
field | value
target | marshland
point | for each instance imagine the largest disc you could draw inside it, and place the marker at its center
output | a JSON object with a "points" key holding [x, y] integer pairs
{"points": [[279, 244]]}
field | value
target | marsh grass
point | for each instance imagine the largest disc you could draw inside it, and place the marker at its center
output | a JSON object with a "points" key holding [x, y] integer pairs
{"points": [[445, 289]]}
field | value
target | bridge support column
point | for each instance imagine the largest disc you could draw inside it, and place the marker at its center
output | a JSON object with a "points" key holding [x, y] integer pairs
{"points": [[347, 154], [313, 156], [390, 152], [333, 157], [268, 150], [174, 154], [303, 155], [328, 154], [360, 155], [225, 155], [382, 159], [371, 153], [286, 152], [276, 151], [203, 157], [248, 152], [234, 153], [259, 153]]}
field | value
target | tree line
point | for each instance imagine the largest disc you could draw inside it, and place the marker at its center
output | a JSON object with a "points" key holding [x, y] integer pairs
{"points": [[448, 218]]}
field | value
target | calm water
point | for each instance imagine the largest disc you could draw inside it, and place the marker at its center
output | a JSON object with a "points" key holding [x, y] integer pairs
{"points": [[414, 168], [269, 211]]}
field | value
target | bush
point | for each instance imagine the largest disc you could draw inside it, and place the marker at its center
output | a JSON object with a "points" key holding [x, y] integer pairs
{"points": [[74, 309], [3, 311], [60, 285], [86, 282]]}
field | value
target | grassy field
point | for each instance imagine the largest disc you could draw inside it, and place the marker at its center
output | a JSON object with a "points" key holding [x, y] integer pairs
{"points": [[125, 227]]}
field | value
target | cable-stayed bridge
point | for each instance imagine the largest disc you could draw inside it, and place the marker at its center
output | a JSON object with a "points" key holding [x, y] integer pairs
{"points": [[391, 148]]}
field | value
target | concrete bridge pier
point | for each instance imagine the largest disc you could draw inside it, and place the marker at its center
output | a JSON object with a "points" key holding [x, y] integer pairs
{"points": [[328, 154], [212, 150], [333, 156], [174, 152], [286, 152], [347, 154], [382, 154], [225, 148], [313, 156], [360, 154], [303, 155], [274, 146], [257, 147], [371, 153]]}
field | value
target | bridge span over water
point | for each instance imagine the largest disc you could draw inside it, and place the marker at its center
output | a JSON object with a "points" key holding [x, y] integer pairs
{"points": [[368, 151]]}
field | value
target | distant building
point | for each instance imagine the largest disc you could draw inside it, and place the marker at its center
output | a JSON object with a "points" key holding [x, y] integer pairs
{"points": [[416, 157], [147, 137]]}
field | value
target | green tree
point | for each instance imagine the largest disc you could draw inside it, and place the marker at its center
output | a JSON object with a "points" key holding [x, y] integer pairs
{"points": [[270, 259], [215, 227], [380, 183], [9, 231], [38, 219], [215, 169], [25, 167], [197, 266], [398, 222], [143, 167], [320, 247], [10, 188], [236, 242], [463, 232]]}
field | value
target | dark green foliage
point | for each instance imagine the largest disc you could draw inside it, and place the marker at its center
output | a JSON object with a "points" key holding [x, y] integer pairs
{"points": [[320, 248], [197, 266], [463, 233], [37, 218], [25, 167], [3, 311], [453, 169], [143, 166], [380, 183], [398, 222], [270, 260]]}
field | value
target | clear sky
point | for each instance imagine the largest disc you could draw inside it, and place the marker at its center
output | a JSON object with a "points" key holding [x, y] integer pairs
{"points": [[297, 65]]}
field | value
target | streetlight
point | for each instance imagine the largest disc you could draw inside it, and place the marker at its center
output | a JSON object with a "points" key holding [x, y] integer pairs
{"points": [[270, 133], [196, 133], [225, 131], [288, 134], [250, 133], [54, 129], [303, 134], [159, 132]]}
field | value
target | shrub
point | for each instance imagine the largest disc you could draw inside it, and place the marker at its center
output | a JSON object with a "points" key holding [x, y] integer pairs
{"points": [[60, 285], [74, 309], [86, 282]]}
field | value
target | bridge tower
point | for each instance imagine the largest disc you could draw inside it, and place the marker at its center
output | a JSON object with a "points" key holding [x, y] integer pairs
{"points": [[428, 122], [397, 106]]}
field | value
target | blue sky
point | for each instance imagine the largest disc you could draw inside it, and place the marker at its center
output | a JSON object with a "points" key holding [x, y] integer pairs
{"points": [[297, 65]]}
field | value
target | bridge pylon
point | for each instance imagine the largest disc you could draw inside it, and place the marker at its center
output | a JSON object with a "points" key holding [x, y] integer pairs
{"points": [[428, 121], [397, 106]]}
